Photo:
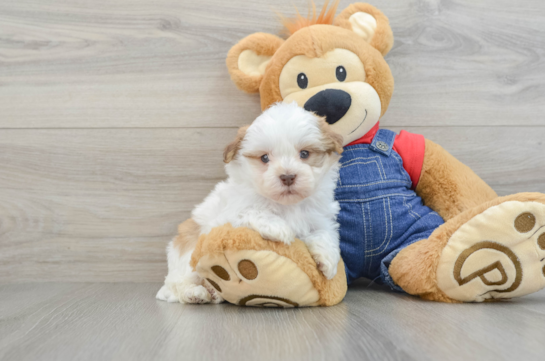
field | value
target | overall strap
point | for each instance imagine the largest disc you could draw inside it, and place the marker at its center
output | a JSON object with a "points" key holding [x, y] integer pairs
{"points": [[383, 142]]}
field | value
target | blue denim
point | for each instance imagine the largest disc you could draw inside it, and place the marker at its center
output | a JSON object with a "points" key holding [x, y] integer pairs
{"points": [[380, 213]]}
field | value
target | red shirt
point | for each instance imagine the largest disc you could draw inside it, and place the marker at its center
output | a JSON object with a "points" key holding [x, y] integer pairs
{"points": [[409, 146]]}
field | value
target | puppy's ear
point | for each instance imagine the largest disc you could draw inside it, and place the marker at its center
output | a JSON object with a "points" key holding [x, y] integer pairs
{"points": [[332, 141], [232, 149], [247, 60], [369, 23]]}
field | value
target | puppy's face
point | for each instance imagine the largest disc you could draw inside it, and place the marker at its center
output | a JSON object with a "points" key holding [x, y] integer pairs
{"points": [[285, 153]]}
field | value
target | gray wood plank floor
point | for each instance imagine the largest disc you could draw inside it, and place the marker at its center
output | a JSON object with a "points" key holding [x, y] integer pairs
{"points": [[122, 321]]}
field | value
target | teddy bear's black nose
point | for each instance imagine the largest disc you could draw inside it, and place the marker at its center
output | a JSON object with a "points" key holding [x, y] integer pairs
{"points": [[330, 103]]}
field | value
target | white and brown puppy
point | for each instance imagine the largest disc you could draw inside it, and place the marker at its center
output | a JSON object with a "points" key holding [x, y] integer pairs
{"points": [[282, 172]]}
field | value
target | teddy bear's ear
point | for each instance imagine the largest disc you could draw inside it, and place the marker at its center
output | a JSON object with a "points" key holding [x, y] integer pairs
{"points": [[247, 60], [369, 23]]}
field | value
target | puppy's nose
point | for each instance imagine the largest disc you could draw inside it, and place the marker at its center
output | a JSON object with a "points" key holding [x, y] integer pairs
{"points": [[330, 103], [288, 179]]}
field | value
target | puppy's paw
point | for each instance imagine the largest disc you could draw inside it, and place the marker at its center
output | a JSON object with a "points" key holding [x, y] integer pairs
{"points": [[215, 297], [165, 294], [326, 263], [274, 232], [195, 294]]}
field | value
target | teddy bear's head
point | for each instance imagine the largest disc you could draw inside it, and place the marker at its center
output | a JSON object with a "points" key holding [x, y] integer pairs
{"points": [[334, 67]]}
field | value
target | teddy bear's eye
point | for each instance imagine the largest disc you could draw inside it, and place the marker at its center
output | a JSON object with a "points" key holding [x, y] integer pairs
{"points": [[340, 73], [302, 80]]}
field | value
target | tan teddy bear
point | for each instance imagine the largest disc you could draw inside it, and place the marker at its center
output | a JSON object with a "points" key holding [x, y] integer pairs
{"points": [[412, 216]]}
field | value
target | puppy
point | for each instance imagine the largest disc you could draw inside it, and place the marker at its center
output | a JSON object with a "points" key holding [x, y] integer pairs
{"points": [[282, 172]]}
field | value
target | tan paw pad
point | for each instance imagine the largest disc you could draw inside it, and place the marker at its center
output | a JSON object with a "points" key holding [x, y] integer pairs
{"points": [[247, 269], [246, 278], [267, 301], [499, 253], [221, 272], [214, 284]]}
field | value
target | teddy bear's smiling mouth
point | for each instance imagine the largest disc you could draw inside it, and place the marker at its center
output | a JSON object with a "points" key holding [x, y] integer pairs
{"points": [[359, 125]]}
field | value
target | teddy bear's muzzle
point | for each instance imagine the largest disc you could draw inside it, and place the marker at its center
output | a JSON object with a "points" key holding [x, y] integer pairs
{"points": [[330, 103]]}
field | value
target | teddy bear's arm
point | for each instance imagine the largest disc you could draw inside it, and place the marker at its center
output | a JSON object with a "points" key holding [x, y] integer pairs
{"points": [[448, 186]]}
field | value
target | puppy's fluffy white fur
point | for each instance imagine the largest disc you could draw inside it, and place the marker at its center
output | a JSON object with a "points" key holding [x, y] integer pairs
{"points": [[262, 193]]}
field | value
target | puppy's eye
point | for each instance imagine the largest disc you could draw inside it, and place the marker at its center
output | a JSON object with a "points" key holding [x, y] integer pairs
{"points": [[340, 73], [304, 154], [302, 80], [265, 158]]}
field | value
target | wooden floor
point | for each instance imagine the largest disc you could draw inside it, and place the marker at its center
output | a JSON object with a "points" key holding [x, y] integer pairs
{"points": [[113, 118], [122, 321]]}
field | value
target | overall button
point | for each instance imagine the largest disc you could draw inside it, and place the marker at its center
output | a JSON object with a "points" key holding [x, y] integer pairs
{"points": [[382, 146]]}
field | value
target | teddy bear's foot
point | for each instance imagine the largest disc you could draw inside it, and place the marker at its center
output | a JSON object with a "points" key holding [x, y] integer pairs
{"points": [[245, 278], [244, 269], [499, 253], [494, 251]]}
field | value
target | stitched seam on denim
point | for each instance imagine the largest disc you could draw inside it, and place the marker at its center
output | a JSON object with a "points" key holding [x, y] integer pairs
{"points": [[389, 223], [375, 183], [353, 148], [399, 160], [354, 163], [356, 158], [378, 161], [373, 161], [370, 252], [386, 221], [357, 147], [372, 198], [410, 209], [389, 137], [347, 163], [382, 168], [371, 221], [364, 231], [367, 258]]}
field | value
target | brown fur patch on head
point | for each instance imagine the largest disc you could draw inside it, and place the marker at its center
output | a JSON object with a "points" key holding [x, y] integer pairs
{"points": [[232, 148], [332, 141], [299, 22]]}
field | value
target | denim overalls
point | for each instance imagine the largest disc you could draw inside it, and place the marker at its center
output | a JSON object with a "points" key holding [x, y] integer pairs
{"points": [[380, 214]]}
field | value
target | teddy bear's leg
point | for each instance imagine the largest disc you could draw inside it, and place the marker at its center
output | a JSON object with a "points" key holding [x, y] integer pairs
{"points": [[247, 270], [495, 250]]}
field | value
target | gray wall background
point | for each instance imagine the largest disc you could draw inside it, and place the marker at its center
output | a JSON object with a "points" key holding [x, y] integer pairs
{"points": [[114, 115]]}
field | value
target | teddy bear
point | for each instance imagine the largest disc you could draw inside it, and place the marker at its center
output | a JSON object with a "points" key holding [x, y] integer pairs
{"points": [[412, 216]]}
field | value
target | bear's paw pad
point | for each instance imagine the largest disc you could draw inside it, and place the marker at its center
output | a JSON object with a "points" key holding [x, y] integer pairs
{"points": [[258, 278], [499, 253]]}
